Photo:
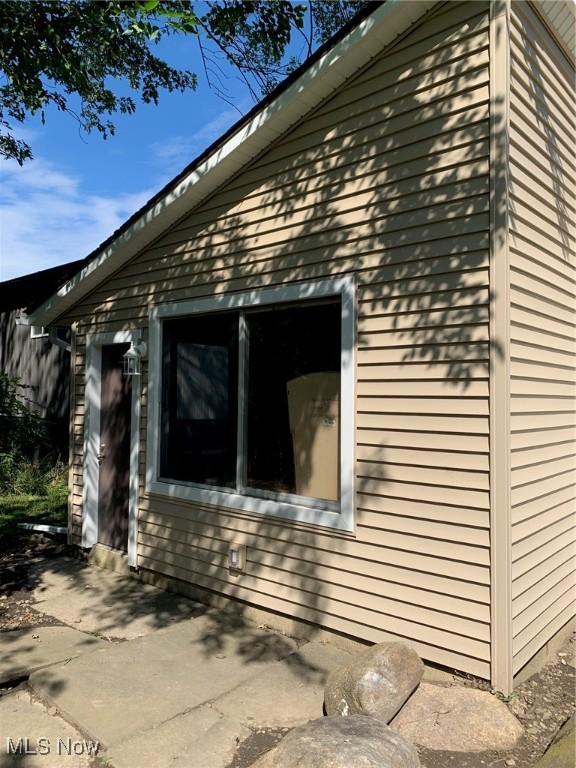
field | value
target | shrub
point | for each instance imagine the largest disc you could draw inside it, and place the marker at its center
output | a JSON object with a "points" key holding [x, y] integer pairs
{"points": [[8, 468], [22, 440], [22, 432]]}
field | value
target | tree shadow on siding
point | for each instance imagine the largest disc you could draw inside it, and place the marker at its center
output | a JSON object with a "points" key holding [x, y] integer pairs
{"points": [[561, 167], [395, 189]]}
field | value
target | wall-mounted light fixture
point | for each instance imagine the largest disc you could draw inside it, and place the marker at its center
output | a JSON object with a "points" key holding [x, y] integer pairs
{"points": [[236, 557], [132, 358]]}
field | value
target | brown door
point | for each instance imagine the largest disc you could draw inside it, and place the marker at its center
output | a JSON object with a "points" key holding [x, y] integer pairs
{"points": [[114, 457]]}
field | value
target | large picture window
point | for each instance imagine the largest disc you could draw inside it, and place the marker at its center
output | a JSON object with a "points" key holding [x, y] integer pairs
{"points": [[250, 402]]}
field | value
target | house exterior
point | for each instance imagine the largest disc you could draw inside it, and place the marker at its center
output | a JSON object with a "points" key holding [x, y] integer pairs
{"points": [[38, 360], [354, 317]]}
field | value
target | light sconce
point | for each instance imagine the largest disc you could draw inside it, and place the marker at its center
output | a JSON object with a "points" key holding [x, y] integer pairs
{"points": [[132, 358], [236, 557]]}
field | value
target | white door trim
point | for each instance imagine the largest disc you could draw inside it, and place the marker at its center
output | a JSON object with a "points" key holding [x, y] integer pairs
{"points": [[94, 344]]}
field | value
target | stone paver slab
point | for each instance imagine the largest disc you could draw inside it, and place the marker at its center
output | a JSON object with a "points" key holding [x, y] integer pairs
{"points": [[288, 693], [562, 752], [125, 689], [24, 651], [21, 717], [110, 604], [196, 739], [457, 719]]}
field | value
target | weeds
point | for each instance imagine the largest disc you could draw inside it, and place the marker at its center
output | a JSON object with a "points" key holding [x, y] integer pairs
{"points": [[21, 477]]}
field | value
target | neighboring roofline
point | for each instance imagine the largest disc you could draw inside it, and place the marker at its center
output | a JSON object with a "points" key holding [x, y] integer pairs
{"points": [[349, 51], [22, 292]]}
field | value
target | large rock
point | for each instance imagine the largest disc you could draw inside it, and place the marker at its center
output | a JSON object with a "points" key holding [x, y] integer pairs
{"points": [[377, 682], [341, 742], [457, 719]]}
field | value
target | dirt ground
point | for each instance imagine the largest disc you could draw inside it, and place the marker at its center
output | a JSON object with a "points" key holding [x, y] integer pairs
{"points": [[543, 704], [259, 742], [16, 607]]}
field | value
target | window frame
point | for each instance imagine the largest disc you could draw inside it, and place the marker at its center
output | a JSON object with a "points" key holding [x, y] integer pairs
{"points": [[38, 332], [338, 515]]}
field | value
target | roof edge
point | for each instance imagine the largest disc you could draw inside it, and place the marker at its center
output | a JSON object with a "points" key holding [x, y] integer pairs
{"points": [[269, 120]]}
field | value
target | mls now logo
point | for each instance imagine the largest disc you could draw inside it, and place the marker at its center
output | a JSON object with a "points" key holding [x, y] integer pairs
{"points": [[44, 746]]}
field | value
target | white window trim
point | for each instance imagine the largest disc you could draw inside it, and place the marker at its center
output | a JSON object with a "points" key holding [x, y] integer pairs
{"points": [[38, 332], [340, 519], [94, 344]]}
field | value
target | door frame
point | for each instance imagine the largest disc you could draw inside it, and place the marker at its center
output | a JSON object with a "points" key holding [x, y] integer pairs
{"points": [[91, 468]]}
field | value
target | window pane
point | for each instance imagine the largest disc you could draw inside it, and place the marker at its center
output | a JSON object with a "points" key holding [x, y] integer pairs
{"points": [[293, 431], [199, 414]]}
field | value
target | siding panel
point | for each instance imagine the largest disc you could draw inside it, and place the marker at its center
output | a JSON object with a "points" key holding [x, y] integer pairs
{"points": [[543, 323], [398, 197]]}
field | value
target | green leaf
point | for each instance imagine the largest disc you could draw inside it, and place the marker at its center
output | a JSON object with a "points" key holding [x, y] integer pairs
{"points": [[149, 5], [52, 52]]}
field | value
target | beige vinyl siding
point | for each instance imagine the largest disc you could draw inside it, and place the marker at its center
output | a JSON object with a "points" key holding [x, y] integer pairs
{"points": [[387, 180], [543, 334], [76, 457]]}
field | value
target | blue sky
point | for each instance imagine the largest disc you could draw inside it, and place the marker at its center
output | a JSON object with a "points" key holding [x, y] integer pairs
{"points": [[79, 188]]}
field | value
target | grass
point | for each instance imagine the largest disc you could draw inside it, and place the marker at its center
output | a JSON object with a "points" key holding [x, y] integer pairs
{"points": [[46, 510]]}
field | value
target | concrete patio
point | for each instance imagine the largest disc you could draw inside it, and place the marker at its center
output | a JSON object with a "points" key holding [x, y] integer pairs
{"points": [[154, 678], [184, 680], [157, 679], [103, 602]]}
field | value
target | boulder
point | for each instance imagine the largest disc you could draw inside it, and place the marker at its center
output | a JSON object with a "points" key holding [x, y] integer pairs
{"points": [[341, 742], [376, 682], [457, 719]]}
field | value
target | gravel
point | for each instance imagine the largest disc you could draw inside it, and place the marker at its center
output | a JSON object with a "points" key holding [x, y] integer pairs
{"points": [[17, 581]]}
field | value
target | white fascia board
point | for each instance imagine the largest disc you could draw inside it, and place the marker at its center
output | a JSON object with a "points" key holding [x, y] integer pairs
{"points": [[337, 65]]}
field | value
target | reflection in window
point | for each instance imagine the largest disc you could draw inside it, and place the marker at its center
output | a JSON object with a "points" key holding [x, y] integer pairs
{"points": [[201, 382], [199, 419]]}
